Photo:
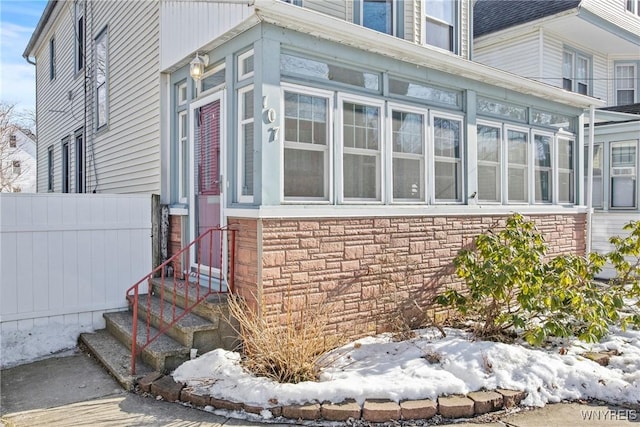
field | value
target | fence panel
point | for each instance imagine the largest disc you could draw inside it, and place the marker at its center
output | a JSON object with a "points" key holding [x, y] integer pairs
{"points": [[64, 260]]}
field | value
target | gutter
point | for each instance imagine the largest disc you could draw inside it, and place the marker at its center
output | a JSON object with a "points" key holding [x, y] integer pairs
{"points": [[44, 19]]}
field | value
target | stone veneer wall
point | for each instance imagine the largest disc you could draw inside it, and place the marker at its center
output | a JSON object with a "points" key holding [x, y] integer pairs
{"points": [[367, 269]]}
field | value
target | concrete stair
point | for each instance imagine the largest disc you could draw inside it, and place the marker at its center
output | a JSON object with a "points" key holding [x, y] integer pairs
{"points": [[204, 328]]}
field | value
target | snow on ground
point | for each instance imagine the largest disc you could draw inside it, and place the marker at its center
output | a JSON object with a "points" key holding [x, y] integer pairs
{"points": [[429, 366]]}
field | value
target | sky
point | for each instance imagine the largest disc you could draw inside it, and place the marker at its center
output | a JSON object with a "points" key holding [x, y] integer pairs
{"points": [[18, 19]]}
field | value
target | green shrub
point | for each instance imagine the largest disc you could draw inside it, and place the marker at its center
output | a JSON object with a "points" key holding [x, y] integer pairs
{"points": [[512, 287]]}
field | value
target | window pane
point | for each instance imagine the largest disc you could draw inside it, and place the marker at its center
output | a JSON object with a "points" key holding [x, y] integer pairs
{"points": [[518, 169], [543, 186], [247, 181], [360, 177], [319, 70], [361, 126], [542, 151], [500, 108], [407, 179], [488, 163], [623, 175], [423, 92], [440, 9], [407, 132], [215, 79], [439, 35], [447, 137], [566, 181], [376, 14], [304, 173], [305, 168], [448, 181]]}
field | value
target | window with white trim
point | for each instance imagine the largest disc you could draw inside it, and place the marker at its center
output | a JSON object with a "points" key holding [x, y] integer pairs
{"points": [[307, 139], [408, 154], [623, 174], [566, 168], [362, 150], [50, 169], [181, 93], [52, 58], [576, 72], [440, 24], [65, 165], [489, 162], [213, 79], [80, 150], [517, 166], [378, 15], [633, 6], [542, 167], [183, 157], [625, 83], [447, 150], [102, 80], [245, 65], [15, 166], [13, 141], [79, 36], [245, 144]]}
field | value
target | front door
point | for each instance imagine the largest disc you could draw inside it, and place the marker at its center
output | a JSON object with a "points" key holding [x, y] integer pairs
{"points": [[207, 137]]}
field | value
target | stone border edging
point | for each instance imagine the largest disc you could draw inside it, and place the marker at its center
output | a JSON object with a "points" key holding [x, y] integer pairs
{"points": [[373, 410]]}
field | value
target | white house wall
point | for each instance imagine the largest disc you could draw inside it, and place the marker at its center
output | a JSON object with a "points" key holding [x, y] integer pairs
{"points": [[187, 26], [519, 56], [606, 225], [65, 260]]}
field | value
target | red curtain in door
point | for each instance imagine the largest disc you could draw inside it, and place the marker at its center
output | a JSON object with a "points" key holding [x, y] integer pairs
{"points": [[208, 167]]}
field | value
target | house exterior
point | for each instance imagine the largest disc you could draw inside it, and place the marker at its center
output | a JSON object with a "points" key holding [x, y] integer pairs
{"points": [[585, 46], [353, 145], [18, 158]]}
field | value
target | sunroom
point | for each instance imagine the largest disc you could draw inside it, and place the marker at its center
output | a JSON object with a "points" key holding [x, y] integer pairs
{"points": [[340, 153]]}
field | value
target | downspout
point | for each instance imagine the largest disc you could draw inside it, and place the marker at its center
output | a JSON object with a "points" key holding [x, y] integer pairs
{"points": [[592, 119]]}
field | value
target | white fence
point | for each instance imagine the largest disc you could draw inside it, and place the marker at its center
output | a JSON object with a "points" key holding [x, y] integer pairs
{"points": [[65, 259]]}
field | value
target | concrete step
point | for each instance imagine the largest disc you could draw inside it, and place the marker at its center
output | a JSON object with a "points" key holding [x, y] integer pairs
{"points": [[212, 308], [114, 356], [192, 331], [164, 354]]}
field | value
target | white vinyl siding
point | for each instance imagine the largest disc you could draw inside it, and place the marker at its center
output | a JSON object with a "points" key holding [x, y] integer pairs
{"points": [[337, 9], [617, 15], [187, 26], [523, 55]]}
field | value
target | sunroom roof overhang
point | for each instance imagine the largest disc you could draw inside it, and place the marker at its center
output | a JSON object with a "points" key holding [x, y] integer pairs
{"points": [[332, 29]]}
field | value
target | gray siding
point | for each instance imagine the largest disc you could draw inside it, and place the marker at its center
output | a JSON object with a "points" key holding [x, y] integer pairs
{"points": [[337, 9], [519, 55], [127, 153]]}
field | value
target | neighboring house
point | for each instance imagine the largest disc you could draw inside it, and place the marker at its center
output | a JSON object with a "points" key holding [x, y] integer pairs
{"points": [[585, 46], [97, 96], [18, 158], [353, 144]]}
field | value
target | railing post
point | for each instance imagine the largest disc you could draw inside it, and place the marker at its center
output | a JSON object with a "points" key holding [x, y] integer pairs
{"points": [[134, 331], [233, 262]]}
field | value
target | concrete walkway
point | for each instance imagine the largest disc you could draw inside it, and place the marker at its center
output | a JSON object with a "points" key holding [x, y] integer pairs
{"points": [[75, 390]]}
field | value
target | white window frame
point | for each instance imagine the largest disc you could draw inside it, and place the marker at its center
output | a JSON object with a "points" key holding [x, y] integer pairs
{"points": [[557, 169], [394, 8], [506, 164], [211, 72], [533, 168], [16, 167], [181, 94], [633, 176], [103, 34], [329, 163], [240, 160], [79, 41], [617, 81], [390, 155], [572, 75], [341, 150], [500, 164], [454, 26], [183, 157], [433, 114], [242, 73]]}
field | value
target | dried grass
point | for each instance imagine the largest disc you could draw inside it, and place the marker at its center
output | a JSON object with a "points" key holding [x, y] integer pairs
{"points": [[288, 352]]}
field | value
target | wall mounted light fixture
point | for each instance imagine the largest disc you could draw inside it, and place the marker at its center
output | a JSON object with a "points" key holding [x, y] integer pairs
{"points": [[196, 67]]}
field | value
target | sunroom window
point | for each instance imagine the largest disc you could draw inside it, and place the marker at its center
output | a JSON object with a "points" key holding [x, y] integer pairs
{"points": [[566, 166], [597, 198], [245, 149], [447, 140], [542, 168], [361, 161], [408, 155], [306, 146], [518, 166], [489, 154]]}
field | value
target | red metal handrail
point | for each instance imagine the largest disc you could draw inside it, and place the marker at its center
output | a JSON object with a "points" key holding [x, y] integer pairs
{"points": [[189, 277]]}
